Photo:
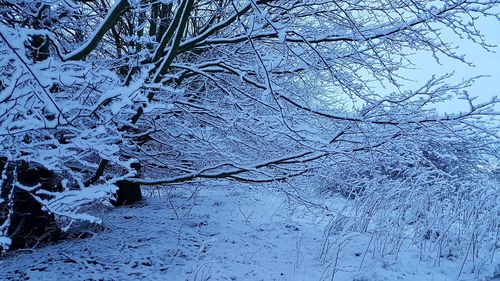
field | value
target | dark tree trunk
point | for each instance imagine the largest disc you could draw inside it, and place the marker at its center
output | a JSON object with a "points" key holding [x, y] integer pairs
{"points": [[128, 192], [30, 225]]}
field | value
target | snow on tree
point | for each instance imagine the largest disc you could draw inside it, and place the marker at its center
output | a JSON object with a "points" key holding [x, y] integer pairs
{"points": [[248, 90]]}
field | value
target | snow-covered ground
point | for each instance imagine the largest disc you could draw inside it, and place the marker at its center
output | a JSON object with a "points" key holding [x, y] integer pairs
{"points": [[227, 232]]}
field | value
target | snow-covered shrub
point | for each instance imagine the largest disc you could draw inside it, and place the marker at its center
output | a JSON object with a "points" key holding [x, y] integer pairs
{"points": [[443, 202]]}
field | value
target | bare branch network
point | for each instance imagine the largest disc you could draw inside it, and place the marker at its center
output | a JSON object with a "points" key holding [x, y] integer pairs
{"points": [[246, 90]]}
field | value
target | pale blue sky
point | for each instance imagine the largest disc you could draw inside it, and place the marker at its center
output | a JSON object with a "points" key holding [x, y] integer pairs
{"points": [[486, 63]]}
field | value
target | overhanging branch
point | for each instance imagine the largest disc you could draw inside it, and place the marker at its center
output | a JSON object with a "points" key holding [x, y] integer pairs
{"points": [[110, 20]]}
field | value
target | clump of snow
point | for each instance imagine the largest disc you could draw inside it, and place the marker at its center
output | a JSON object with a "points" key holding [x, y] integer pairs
{"points": [[4, 242]]}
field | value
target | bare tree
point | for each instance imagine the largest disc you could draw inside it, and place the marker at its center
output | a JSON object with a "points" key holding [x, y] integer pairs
{"points": [[248, 90]]}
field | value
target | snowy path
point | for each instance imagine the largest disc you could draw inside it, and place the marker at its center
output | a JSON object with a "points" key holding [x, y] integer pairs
{"points": [[238, 233], [215, 234]]}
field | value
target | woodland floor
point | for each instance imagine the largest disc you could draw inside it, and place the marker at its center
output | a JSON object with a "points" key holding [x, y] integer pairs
{"points": [[223, 232]]}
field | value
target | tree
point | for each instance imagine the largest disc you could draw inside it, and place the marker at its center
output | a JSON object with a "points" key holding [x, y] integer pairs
{"points": [[247, 90]]}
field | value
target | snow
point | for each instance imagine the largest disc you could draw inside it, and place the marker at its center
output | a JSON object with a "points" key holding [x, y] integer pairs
{"points": [[4, 241], [243, 99], [225, 232]]}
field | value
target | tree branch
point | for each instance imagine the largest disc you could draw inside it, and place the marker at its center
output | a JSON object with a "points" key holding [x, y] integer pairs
{"points": [[110, 20]]}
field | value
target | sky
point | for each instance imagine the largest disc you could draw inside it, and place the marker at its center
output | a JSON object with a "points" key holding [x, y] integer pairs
{"points": [[486, 63]]}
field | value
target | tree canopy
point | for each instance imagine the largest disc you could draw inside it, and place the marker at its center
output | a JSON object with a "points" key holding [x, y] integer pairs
{"points": [[246, 90]]}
